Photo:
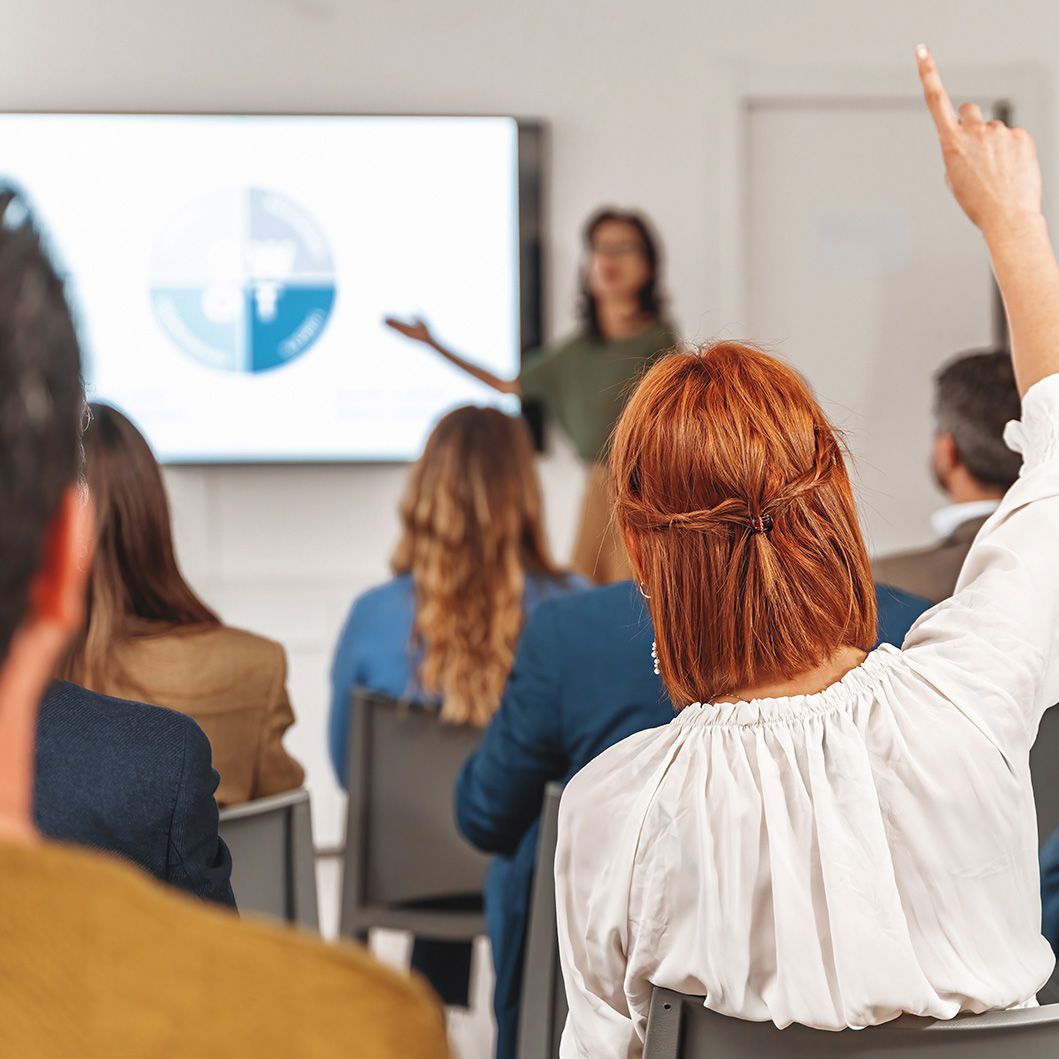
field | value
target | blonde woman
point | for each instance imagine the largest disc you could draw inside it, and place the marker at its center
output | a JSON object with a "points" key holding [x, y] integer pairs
{"points": [[583, 379], [471, 561]]}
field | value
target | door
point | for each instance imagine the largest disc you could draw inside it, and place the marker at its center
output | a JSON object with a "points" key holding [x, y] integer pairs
{"points": [[864, 274]]}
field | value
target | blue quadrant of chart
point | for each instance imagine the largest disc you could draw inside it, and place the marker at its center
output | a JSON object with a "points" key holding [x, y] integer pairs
{"points": [[242, 280]]}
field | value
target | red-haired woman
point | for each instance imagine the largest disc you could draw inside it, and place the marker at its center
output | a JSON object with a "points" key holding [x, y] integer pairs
{"points": [[823, 835]]}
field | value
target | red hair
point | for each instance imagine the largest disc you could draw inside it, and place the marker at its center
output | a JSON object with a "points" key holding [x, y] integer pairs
{"points": [[732, 493]]}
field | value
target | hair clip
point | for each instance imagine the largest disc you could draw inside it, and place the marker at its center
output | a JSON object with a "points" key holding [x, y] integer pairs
{"points": [[760, 523]]}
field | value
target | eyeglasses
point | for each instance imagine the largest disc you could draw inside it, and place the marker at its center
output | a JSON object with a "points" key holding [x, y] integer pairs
{"points": [[629, 249]]}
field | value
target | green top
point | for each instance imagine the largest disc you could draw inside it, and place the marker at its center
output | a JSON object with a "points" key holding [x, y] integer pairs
{"points": [[584, 383]]}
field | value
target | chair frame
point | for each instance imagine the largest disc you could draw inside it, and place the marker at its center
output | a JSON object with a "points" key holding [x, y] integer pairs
{"points": [[301, 901], [1042, 773], [665, 1025], [358, 916], [543, 996]]}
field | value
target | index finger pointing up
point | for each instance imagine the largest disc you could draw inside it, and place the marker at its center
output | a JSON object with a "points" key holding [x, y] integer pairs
{"points": [[938, 102]]}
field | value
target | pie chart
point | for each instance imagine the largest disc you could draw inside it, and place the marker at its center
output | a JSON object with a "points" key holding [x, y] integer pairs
{"points": [[242, 280]]}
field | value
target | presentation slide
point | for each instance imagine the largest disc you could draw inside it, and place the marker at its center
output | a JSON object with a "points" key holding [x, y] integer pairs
{"points": [[230, 275]]}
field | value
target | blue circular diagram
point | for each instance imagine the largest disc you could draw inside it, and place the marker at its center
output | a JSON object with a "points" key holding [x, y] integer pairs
{"points": [[242, 280]]}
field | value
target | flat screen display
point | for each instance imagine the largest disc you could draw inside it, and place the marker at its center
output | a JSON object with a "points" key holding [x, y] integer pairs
{"points": [[230, 274]]}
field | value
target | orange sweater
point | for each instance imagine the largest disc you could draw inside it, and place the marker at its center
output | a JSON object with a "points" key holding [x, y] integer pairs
{"points": [[96, 960]]}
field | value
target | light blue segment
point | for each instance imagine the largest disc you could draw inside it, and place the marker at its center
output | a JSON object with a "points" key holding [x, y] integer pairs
{"points": [[180, 312]]}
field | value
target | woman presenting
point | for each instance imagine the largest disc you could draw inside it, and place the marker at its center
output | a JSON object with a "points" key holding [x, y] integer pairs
{"points": [[583, 380]]}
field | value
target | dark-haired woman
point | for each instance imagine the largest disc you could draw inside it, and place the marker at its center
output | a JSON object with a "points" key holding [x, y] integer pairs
{"points": [[148, 637], [584, 379]]}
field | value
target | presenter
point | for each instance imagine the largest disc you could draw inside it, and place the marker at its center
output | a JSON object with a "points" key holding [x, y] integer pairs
{"points": [[584, 379]]}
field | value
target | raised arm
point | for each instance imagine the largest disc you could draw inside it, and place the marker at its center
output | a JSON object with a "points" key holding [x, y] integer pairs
{"points": [[994, 174], [993, 647], [418, 331]]}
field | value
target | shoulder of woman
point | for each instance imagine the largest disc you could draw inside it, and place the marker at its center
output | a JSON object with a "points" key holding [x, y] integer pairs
{"points": [[662, 335], [260, 648], [542, 586], [550, 350], [389, 600]]}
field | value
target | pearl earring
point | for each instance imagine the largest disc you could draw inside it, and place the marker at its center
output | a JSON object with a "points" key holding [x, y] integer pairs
{"points": [[654, 655]]}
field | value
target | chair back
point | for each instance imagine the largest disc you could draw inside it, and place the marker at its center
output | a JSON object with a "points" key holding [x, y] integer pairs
{"points": [[680, 1027], [402, 845], [1044, 768], [543, 1012], [273, 860]]}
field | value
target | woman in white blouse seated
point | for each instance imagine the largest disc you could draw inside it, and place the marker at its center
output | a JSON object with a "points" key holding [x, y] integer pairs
{"points": [[823, 835]]}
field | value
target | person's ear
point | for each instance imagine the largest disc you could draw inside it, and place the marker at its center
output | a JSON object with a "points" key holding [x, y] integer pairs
{"points": [[57, 593], [946, 456]]}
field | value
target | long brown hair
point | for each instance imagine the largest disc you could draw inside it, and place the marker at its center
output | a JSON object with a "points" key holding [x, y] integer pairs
{"points": [[731, 488], [135, 577], [473, 528]]}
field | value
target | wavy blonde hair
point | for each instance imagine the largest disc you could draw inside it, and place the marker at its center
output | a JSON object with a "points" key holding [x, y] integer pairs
{"points": [[472, 530]]}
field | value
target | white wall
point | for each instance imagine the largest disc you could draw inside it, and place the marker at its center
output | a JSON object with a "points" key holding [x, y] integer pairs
{"points": [[627, 89]]}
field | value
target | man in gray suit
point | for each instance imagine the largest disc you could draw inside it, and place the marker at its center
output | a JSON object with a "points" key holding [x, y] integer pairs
{"points": [[975, 396]]}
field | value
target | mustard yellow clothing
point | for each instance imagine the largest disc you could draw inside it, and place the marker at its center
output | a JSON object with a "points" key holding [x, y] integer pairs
{"points": [[232, 683], [97, 961]]}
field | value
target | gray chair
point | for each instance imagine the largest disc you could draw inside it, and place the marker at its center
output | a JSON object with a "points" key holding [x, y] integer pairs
{"points": [[403, 852], [543, 1011], [679, 1027], [1044, 768], [273, 861]]}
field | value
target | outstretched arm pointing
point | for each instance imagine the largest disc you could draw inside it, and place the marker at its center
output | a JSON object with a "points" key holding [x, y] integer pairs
{"points": [[418, 331]]}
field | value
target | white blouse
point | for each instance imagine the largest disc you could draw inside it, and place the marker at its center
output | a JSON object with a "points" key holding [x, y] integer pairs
{"points": [[840, 858]]}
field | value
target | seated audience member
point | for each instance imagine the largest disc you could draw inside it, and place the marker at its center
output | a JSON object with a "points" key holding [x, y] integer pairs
{"points": [[99, 960], [471, 561], [134, 780], [148, 637], [825, 834], [975, 396], [582, 681]]}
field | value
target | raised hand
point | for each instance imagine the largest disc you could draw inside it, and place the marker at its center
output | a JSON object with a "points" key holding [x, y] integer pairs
{"points": [[416, 329], [991, 169]]}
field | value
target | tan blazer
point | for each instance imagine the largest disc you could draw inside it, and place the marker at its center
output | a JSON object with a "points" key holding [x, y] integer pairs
{"points": [[930, 572], [233, 684], [98, 961]]}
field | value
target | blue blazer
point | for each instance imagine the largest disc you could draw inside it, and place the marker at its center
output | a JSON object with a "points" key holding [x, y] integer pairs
{"points": [[1050, 890], [582, 681], [133, 780]]}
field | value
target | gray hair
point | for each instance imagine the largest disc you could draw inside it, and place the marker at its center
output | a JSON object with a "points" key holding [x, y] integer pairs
{"points": [[975, 396]]}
